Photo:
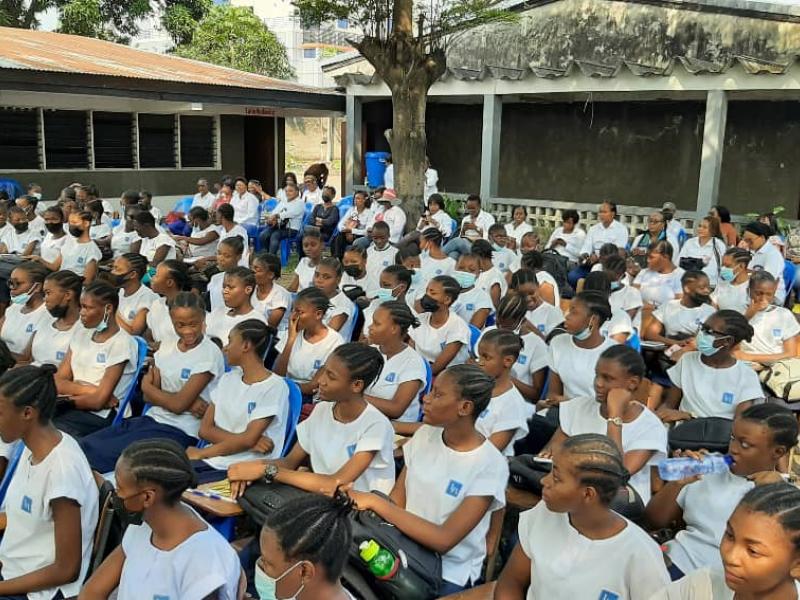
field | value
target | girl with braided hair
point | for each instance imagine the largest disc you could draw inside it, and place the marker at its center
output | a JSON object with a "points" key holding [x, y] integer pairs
{"points": [[135, 299]]}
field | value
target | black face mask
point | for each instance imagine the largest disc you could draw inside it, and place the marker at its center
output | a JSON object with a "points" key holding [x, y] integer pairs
{"points": [[21, 227], [54, 227], [429, 304], [118, 280], [699, 299], [353, 271], [75, 231], [58, 312], [127, 516]]}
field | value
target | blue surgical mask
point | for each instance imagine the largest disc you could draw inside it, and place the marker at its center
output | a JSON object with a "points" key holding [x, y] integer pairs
{"points": [[22, 299], [727, 274], [416, 277], [497, 247], [464, 279], [384, 294], [102, 325], [584, 334], [265, 585], [705, 343]]}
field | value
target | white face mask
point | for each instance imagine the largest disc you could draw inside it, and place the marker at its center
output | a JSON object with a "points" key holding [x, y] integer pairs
{"points": [[266, 585]]}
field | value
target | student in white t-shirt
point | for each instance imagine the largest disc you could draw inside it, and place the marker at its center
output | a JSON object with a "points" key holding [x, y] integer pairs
{"points": [[442, 337], [473, 305], [491, 280], [758, 550], [612, 411], [304, 271], [156, 246], [52, 499], [619, 327], [270, 297], [660, 282], [203, 240], [434, 261], [124, 234], [237, 290], [98, 370], [712, 382], [502, 257], [327, 277], [505, 420], [171, 277], [168, 550], [229, 256], [62, 295], [517, 227], [541, 317], [568, 239], [762, 435], [176, 389], [395, 280], [27, 312], [354, 265], [775, 328], [623, 297], [380, 253], [82, 255], [548, 288], [676, 322], [572, 545], [453, 480], [55, 240], [135, 299], [346, 439], [248, 406], [396, 390], [309, 341], [574, 355], [731, 292]]}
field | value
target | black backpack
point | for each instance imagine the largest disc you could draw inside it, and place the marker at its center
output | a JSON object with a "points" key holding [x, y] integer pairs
{"points": [[557, 266]]}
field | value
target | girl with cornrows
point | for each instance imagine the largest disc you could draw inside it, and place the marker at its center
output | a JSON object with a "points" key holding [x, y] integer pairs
{"points": [[135, 299], [171, 277], [62, 297], [731, 292], [27, 313]]}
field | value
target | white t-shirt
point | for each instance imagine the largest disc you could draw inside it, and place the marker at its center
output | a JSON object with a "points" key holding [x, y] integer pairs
{"points": [[90, 360], [439, 479], [201, 564], [432, 267], [503, 259], [505, 412], [659, 288], [29, 540], [51, 247], [707, 504], [769, 258], [545, 317], [517, 231], [732, 296], [483, 221], [121, 241], [150, 246], [330, 444], [307, 357], [710, 392], [240, 232], [712, 260], [160, 323], [214, 289], [245, 207], [543, 277], [404, 366], [220, 322], [615, 233], [176, 367], [533, 357], [51, 345], [19, 327], [76, 256], [680, 319], [203, 250], [487, 279], [574, 241], [16, 243], [628, 298], [470, 302], [703, 584], [378, 260], [645, 432], [278, 297], [237, 404], [771, 327], [395, 218], [305, 273], [204, 201], [141, 299], [566, 564], [575, 366], [341, 305], [430, 341], [98, 232]]}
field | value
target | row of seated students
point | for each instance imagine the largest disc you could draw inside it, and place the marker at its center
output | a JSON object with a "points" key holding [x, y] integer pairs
{"points": [[78, 339]]}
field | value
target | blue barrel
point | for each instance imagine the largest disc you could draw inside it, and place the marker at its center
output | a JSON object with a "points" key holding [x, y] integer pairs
{"points": [[376, 167]]}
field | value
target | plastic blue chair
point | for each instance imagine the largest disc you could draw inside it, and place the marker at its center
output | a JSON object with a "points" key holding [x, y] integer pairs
{"points": [[286, 243], [295, 406], [351, 324], [491, 320], [13, 461], [634, 342], [789, 272], [428, 384], [184, 204], [474, 336], [141, 355], [346, 202]]}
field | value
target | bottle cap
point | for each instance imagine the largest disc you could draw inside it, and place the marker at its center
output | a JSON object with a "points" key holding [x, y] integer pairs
{"points": [[368, 550]]}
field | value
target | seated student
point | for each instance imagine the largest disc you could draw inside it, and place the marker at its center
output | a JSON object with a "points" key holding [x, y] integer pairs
{"points": [[505, 420], [775, 329], [227, 228], [409, 257], [229, 256], [55, 240], [573, 357], [619, 327], [51, 503], [176, 389], [529, 243], [572, 545], [339, 317], [433, 259], [99, 366], [542, 316], [660, 282], [354, 265], [346, 439], [762, 435], [395, 392], [27, 312], [171, 277], [380, 253], [203, 240], [394, 281], [354, 224], [759, 551], [678, 321], [237, 289], [304, 271], [711, 382], [156, 246], [135, 299], [612, 411], [473, 305], [309, 341], [490, 280], [62, 299], [442, 337], [731, 292], [248, 407], [270, 297], [19, 238], [436, 216], [453, 480], [168, 550], [548, 287], [81, 255], [623, 296], [502, 256], [124, 234]]}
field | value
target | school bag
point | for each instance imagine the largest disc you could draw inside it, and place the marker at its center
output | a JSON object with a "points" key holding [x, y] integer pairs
{"points": [[708, 433], [557, 266], [783, 379]]}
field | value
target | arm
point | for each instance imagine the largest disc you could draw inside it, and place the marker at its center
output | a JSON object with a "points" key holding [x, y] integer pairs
{"points": [[225, 443], [789, 351], [282, 362], [51, 266], [137, 325], [494, 294], [160, 255], [276, 316], [515, 578], [655, 333], [663, 508], [208, 238], [558, 438], [136, 246], [479, 318], [556, 391], [106, 578], [399, 403], [547, 293], [531, 392], [336, 323], [30, 248], [90, 272], [327, 484], [445, 357], [501, 439], [293, 284], [175, 402]]}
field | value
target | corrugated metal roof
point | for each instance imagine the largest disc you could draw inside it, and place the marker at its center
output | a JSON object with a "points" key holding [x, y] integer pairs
{"points": [[58, 52]]}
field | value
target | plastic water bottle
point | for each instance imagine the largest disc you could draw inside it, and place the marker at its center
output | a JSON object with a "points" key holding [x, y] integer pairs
{"points": [[675, 469], [382, 563]]}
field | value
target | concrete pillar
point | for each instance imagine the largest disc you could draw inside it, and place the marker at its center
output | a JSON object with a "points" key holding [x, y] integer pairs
{"points": [[713, 146], [354, 151], [331, 137], [490, 145]]}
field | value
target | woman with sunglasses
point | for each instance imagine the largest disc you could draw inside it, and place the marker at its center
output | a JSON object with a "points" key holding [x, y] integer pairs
{"points": [[711, 382]]}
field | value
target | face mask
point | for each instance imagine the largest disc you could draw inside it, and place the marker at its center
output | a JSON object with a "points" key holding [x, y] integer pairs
{"points": [[616, 285], [416, 277], [699, 299], [102, 325], [584, 334], [705, 343], [353, 271], [22, 299], [119, 280], [727, 274], [21, 227], [54, 227], [128, 516], [497, 247], [265, 585], [464, 279], [429, 304], [58, 311], [384, 294], [75, 231]]}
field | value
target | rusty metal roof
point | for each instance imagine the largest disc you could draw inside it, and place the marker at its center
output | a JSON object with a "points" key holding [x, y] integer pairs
{"points": [[57, 52]]}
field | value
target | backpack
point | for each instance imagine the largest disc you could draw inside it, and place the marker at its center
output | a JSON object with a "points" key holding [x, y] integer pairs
{"points": [[783, 379], [557, 266]]}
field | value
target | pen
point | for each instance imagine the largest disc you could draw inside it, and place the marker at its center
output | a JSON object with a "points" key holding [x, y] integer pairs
{"points": [[211, 496]]}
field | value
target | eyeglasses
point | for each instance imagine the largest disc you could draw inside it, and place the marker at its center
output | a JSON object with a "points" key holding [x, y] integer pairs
{"points": [[708, 330]]}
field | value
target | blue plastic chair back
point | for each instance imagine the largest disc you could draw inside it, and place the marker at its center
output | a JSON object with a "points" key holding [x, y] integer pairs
{"points": [[141, 355], [347, 202], [351, 324], [269, 205], [491, 320], [474, 336], [343, 210], [427, 387], [286, 243], [295, 406], [184, 204], [13, 461], [633, 341], [789, 272], [682, 237]]}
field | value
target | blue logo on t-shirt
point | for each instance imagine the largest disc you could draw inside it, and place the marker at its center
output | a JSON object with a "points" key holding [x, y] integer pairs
{"points": [[185, 373], [727, 398], [251, 406], [351, 449], [60, 355], [29, 328], [80, 260], [777, 333], [502, 266], [27, 504], [454, 488], [438, 271], [101, 358], [131, 315], [540, 327], [522, 359], [606, 595], [391, 377], [470, 306], [160, 597], [443, 344], [386, 263], [317, 364]]}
